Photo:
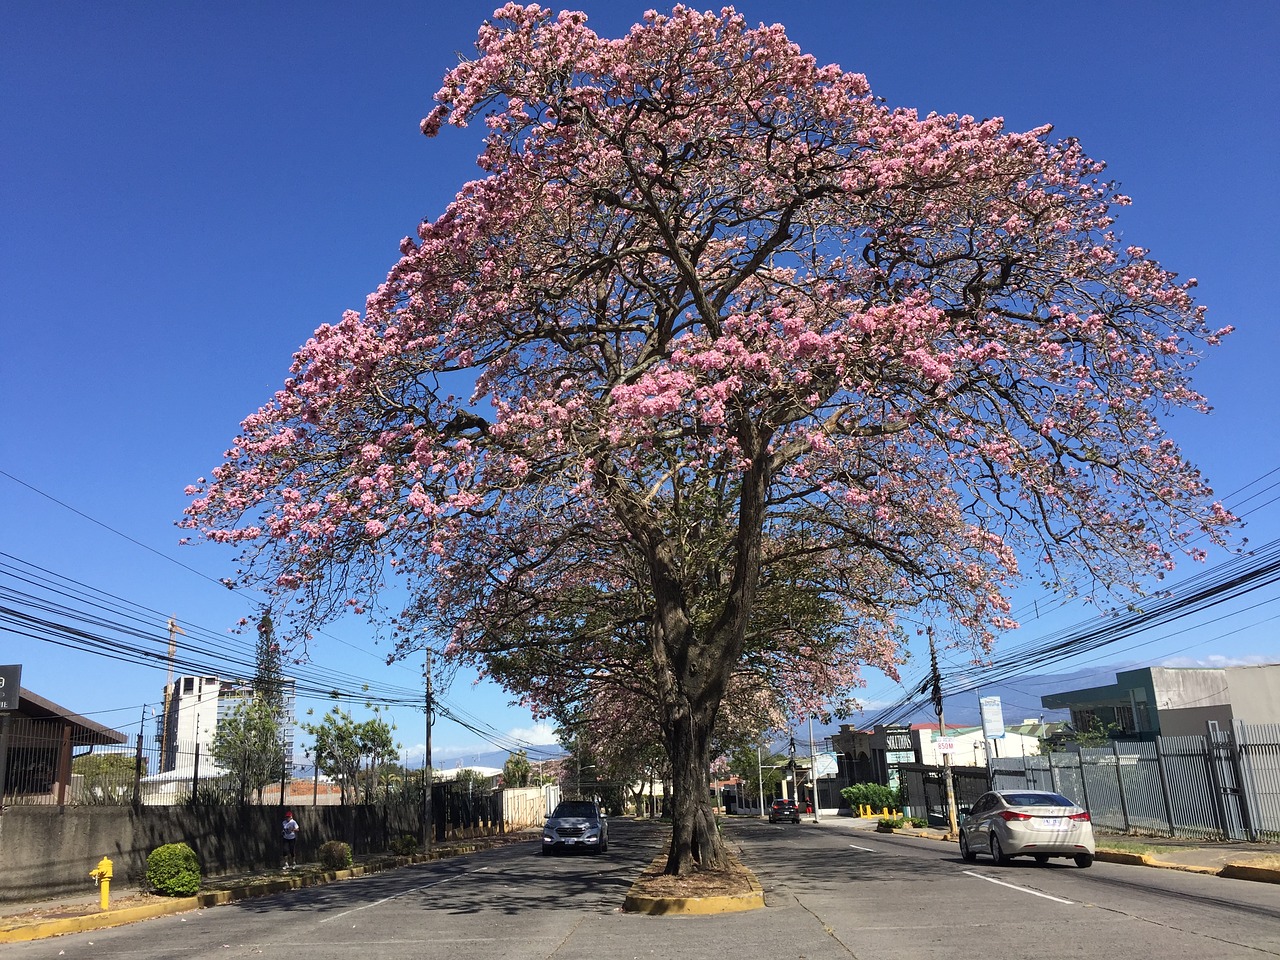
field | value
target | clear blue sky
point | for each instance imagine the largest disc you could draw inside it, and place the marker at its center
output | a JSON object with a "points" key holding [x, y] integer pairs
{"points": [[188, 190]]}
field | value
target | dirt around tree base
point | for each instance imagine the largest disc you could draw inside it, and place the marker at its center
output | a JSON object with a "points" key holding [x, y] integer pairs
{"points": [[735, 881]]}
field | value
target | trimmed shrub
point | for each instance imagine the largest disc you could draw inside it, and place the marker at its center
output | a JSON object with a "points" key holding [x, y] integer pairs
{"points": [[875, 795], [173, 870], [405, 846], [917, 822], [335, 855], [890, 823]]}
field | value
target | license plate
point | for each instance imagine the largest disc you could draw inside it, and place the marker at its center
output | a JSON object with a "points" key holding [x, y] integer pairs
{"points": [[570, 839], [1051, 821]]}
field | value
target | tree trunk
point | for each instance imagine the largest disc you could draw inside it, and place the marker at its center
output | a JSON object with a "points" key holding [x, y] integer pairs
{"points": [[695, 838]]}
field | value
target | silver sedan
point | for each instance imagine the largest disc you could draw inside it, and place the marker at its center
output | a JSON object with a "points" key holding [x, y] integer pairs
{"points": [[1036, 823]]}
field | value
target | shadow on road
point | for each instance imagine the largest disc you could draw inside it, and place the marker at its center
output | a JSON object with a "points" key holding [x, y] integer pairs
{"points": [[508, 879]]}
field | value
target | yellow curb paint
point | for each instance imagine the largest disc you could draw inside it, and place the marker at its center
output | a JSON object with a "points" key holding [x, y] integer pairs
{"points": [[1151, 861], [19, 933], [636, 902], [1242, 871], [1117, 856]]}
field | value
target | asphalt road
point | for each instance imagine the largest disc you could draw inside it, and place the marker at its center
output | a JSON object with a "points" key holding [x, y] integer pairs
{"points": [[831, 892], [887, 897]]}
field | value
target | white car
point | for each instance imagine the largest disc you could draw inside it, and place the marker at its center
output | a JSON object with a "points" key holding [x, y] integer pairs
{"points": [[575, 825], [1022, 823]]}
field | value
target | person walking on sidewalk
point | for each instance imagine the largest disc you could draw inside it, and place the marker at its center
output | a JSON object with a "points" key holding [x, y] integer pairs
{"points": [[289, 831]]}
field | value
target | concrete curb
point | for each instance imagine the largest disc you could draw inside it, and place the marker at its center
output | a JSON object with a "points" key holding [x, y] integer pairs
{"points": [[636, 902], [1232, 871], [19, 932], [1242, 871]]}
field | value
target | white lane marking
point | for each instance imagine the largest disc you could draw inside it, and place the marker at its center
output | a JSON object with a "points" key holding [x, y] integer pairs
{"points": [[1014, 886], [868, 849], [394, 896]]}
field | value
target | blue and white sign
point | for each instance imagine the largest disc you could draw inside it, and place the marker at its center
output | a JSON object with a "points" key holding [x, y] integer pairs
{"points": [[825, 765], [992, 718]]}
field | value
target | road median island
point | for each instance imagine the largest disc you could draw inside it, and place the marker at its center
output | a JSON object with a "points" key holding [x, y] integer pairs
{"points": [[703, 893]]}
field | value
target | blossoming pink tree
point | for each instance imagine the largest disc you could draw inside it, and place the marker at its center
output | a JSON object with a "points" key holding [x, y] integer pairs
{"points": [[749, 365]]}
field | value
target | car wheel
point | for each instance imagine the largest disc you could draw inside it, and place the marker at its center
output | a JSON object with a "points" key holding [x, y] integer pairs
{"points": [[546, 851], [966, 852], [1042, 858], [997, 852], [1084, 860]]}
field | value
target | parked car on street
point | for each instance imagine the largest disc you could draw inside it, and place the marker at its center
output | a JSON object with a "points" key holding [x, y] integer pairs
{"points": [[1022, 823], [784, 810], [575, 825]]}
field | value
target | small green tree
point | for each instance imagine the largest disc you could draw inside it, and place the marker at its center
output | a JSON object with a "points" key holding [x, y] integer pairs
{"points": [[472, 781], [346, 748], [761, 773], [249, 745], [517, 771], [105, 777], [1095, 734]]}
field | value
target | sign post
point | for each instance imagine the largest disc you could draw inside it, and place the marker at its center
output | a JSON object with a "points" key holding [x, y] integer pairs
{"points": [[992, 729], [10, 697]]}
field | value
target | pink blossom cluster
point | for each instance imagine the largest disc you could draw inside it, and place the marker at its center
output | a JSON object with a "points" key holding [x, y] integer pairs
{"points": [[717, 332]]}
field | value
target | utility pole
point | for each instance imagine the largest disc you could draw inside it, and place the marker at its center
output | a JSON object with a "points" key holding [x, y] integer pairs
{"points": [[428, 823], [936, 677]]}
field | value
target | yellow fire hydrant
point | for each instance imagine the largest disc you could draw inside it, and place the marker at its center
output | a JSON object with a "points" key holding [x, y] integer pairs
{"points": [[102, 876]]}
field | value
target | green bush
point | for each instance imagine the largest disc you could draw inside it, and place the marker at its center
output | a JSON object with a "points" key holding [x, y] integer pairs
{"points": [[405, 846], [875, 795], [917, 821], [335, 855], [891, 823], [173, 870]]}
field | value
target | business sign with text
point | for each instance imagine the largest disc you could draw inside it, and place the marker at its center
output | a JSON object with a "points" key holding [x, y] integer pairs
{"points": [[10, 686]]}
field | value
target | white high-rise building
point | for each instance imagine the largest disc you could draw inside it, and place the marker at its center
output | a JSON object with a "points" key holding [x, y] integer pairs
{"points": [[194, 706]]}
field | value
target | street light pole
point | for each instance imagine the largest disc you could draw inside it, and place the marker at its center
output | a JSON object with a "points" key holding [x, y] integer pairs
{"points": [[760, 780], [813, 772]]}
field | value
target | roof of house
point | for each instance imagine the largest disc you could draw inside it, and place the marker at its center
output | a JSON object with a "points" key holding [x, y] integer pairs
{"points": [[82, 729]]}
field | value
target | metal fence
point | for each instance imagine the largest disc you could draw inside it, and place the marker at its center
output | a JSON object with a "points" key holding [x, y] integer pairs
{"points": [[48, 764], [41, 763], [1225, 784], [925, 789]]}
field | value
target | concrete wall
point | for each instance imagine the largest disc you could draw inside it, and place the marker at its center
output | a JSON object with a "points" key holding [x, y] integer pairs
{"points": [[1191, 721], [1255, 693], [48, 851], [1182, 688]]}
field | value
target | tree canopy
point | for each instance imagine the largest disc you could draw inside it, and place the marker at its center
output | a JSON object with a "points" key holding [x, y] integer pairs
{"points": [[724, 375], [249, 744], [350, 750]]}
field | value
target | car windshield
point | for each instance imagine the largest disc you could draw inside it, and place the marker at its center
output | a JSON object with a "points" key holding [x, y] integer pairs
{"points": [[1036, 800], [575, 808]]}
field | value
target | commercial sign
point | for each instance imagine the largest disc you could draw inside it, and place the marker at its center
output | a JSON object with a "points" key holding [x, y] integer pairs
{"points": [[992, 717], [10, 687], [825, 765], [946, 744]]}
